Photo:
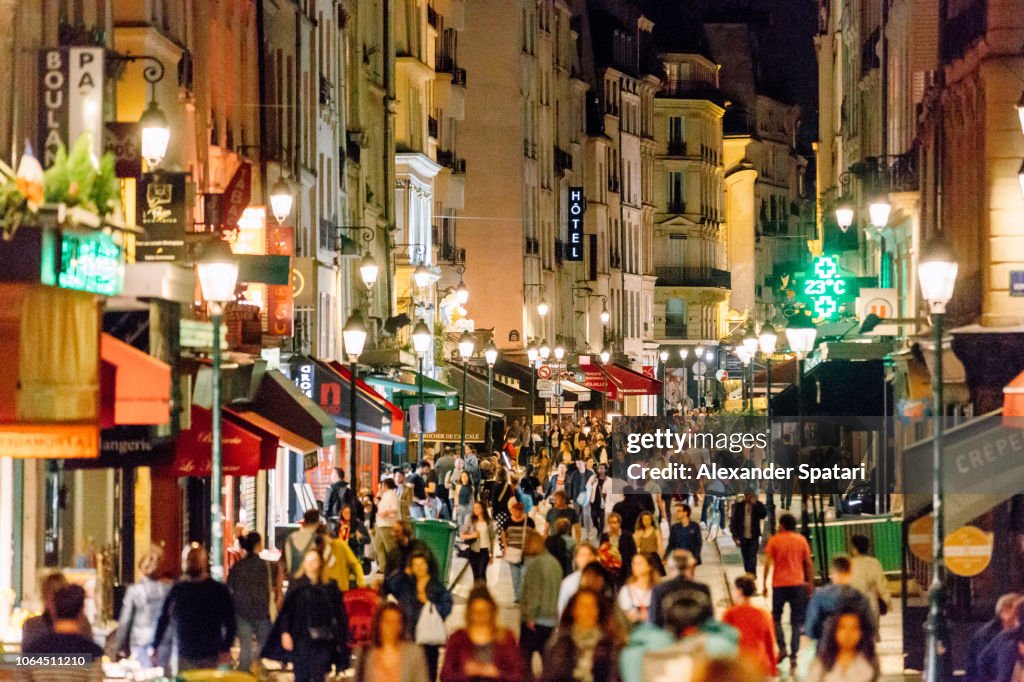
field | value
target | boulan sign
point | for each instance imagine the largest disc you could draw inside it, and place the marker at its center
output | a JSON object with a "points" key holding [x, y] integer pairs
{"points": [[70, 99]]}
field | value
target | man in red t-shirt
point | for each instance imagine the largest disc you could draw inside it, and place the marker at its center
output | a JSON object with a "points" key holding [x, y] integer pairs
{"points": [[788, 553]]}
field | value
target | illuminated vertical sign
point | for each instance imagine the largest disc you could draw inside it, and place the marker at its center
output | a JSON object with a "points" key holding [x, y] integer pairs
{"points": [[280, 301], [70, 99], [825, 288], [574, 249]]}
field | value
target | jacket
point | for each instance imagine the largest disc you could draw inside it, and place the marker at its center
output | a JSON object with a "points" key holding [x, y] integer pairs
{"points": [[507, 658], [403, 587], [664, 589], [140, 610], [341, 565], [757, 514], [203, 615], [305, 606], [542, 577], [687, 537], [561, 660]]}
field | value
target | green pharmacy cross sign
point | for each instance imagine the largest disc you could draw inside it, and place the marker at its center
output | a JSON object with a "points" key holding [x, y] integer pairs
{"points": [[826, 289], [84, 261]]}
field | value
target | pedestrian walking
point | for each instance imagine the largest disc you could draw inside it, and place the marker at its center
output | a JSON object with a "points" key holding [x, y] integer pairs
{"points": [[745, 528], [538, 604], [787, 559], [390, 656], [755, 625], [587, 645], [299, 542], [483, 650], [617, 549], [352, 531], [1005, 620], [685, 533], [140, 610], [635, 595], [599, 489], [339, 495], [838, 595], [560, 509], [846, 651], [999, 659], [647, 534], [340, 563], [252, 586], [65, 639], [667, 592], [388, 514], [558, 480], [311, 632], [585, 555], [868, 576], [464, 496], [426, 603], [513, 538], [202, 615], [478, 532]]}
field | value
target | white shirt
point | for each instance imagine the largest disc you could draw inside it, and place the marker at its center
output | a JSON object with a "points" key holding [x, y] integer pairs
{"points": [[388, 509], [570, 586]]}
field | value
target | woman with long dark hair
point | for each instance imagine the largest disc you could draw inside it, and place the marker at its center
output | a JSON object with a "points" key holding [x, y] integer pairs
{"points": [[846, 652], [586, 646], [312, 629], [483, 650], [426, 603], [390, 656]]}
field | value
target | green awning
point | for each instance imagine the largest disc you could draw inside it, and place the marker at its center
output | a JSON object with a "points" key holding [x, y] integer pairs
{"points": [[431, 387], [257, 269]]}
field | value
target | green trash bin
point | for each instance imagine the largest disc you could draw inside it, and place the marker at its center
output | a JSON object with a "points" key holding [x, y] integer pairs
{"points": [[440, 538]]}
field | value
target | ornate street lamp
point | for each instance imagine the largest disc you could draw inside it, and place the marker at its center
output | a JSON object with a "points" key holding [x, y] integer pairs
{"points": [[605, 357], [155, 133], [559, 353], [545, 351], [542, 307], [462, 293], [937, 270], [281, 200], [353, 335], [368, 270], [801, 335], [467, 344], [878, 211], [218, 275], [421, 338], [663, 356], [605, 315], [844, 215], [766, 342], [491, 355], [421, 276]]}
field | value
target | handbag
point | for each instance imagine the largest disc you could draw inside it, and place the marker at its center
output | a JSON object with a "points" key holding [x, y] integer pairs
{"points": [[883, 608], [430, 629]]}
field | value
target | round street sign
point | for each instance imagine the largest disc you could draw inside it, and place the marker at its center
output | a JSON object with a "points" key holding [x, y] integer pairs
{"points": [[919, 537], [699, 368], [968, 551], [544, 372], [721, 375]]}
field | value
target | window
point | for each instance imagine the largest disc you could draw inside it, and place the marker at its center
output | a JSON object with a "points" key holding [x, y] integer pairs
{"points": [[676, 136], [676, 201]]}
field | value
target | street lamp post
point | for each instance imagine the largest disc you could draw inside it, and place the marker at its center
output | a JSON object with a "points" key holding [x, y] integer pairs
{"points": [[698, 356], [545, 352], [421, 337], [491, 355], [801, 335], [557, 386], [354, 337], [937, 271], [605, 356], [531, 357], [218, 275], [663, 356], [766, 342], [683, 352], [466, 346]]}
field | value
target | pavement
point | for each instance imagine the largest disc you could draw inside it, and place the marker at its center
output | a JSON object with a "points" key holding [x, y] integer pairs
{"points": [[721, 564]]}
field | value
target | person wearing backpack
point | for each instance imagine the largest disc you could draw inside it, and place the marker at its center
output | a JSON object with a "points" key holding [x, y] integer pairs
{"points": [[299, 542], [471, 463]]}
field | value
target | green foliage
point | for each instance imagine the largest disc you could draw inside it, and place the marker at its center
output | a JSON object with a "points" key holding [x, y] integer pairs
{"points": [[74, 180], [13, 209]]}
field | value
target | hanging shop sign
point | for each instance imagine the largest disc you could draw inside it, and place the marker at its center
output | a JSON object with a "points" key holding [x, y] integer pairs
{"points": [[280, 298], [161, 211], [122, 139], [236, 196], [577, 206], [70, 99], [56, 441]]}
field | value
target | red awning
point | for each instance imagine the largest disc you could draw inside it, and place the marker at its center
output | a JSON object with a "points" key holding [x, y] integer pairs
{"points": [[595, 377], [135, 387], [1013, 403], [397, 413], [629, 382], [245, 449]]}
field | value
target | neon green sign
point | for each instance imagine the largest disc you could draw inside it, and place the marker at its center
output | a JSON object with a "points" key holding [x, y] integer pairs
{"points": [[89, 261], [825, 288]]}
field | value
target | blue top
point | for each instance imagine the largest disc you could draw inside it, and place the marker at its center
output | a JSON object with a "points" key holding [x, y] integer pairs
{"points": [[685, 537]]}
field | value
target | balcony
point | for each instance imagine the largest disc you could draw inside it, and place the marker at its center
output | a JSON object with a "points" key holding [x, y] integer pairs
{"points": [[563, 161], [675, 329], [449, 253], [449, 160], [677, 207], [432, 127], [711, 278], [676, 148]]}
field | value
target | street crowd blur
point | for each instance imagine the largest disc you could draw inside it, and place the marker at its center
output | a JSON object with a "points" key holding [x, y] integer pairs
{"points": [[603, 581]]}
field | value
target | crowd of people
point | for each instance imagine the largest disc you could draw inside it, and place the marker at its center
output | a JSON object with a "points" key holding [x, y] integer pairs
{"points": [[603, 580]]}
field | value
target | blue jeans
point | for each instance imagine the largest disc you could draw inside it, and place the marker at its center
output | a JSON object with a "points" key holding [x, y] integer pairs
{"points": [[246, 630], [517, 579]]}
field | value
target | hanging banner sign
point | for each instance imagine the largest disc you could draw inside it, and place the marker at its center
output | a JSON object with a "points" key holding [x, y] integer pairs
{"points": [[122, 139], [236, 196], [577, 206], [161, 212], [70, 100], [280, 298]]}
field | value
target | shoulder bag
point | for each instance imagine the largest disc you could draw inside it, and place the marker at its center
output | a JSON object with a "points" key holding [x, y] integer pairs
{"points": [[430, 629]]}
